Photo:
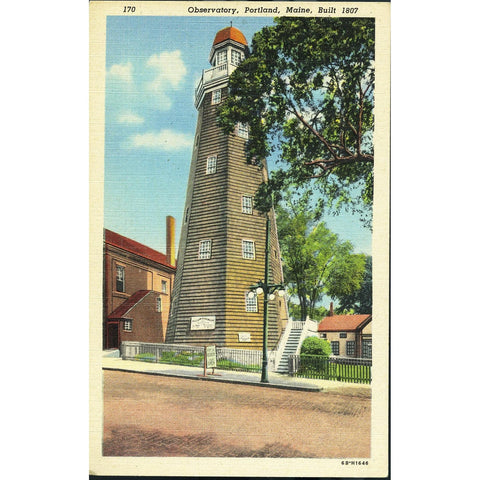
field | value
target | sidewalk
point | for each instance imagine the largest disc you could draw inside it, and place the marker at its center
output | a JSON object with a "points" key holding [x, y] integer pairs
{"points": [[276, 380]]}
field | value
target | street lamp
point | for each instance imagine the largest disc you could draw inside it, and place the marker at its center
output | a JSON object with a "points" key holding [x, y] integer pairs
{"points": [[268, 290]]}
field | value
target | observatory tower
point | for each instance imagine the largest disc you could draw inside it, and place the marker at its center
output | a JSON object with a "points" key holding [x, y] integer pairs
{"points": [[222, 243]]}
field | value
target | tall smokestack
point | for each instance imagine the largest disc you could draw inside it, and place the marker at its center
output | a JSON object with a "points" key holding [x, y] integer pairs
{"points": [[331, 312], [171, 240]]}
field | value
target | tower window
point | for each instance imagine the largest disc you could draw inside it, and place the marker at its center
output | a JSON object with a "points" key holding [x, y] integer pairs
{"points": [[159, 304], [248, 249], [205, 249], [247, 204], [236, 57], [120, 284], [221, 57], [251, 304], [211, 164], [242, 130], [216, 96]]}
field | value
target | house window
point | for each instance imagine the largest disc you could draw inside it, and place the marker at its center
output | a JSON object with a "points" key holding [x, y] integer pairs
{"points": [[159, 304], [127, 325], [216, 96], [120, 285], [164, 286], [367, 348], [335, 347], [351, 348], [211, 164], [247, 204], [248, 249], [251, 304], [221, 57], [205, 249], [236, 57], [343, 334], [323, 335], [242, 130]]}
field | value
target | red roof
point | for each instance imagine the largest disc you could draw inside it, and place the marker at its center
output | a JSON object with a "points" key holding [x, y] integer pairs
{"points": [[343, 323], [132, 246], [230, 33], [128, 304]]}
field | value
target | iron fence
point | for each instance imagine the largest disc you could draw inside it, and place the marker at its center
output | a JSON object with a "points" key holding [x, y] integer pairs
{"points": [[190, 355], [355, 370]]}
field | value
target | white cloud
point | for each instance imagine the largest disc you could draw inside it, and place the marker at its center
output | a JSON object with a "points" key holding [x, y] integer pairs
{"points": [[130, 118], [121, 71], [166, 140], [169, 68]]}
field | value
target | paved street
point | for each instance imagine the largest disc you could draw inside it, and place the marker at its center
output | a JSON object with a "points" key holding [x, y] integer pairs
{"points": [[153, 415]]}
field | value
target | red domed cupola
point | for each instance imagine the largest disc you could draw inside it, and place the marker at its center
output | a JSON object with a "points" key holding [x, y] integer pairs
{"points": [[230, 33]]}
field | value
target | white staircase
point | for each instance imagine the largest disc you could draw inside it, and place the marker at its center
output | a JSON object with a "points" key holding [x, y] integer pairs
{"points": [[291, 347], [295, 333]]}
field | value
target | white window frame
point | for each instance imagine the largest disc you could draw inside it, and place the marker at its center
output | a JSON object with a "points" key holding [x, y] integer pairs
{"points": [[164, 286], [216, 96], [205, 249], [221, 57], [240, 57], [251, 304], [242, 130], [120, 278], [247, 204], [247, 252], [211, 165], [127, 325], [158, 306]]}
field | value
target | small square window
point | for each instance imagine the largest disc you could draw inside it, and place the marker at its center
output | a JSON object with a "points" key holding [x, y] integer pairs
{"points": [[247, 204], [205, 250], [120, 284], [221, 57], [216, 96], [323, 335], [251, 304], [351, 348], [242, 130], [211, 164], [164, 286], [335, 347], [127, 325], [343, 334], [159, 304], [248, 249], [236, 57]]}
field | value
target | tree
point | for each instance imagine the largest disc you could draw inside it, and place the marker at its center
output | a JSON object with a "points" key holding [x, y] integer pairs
{"points": [[307, 88], [315, 261], [316, 346], [360, 300]]}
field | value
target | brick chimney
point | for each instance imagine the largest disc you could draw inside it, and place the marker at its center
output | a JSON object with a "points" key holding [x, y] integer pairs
{"points": [[171, 240], [331, 313]]}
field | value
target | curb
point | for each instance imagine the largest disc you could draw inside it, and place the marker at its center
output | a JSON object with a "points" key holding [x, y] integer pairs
{"points": [[221, 380]]}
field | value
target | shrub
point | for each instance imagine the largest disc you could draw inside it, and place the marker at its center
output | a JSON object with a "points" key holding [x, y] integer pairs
{"points": [[316, 346]]}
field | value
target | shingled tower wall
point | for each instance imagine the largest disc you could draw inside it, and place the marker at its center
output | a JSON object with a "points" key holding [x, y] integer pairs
{"points": [[213, 276]]}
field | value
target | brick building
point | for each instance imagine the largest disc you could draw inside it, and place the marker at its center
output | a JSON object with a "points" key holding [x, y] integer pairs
{"points": [[138, 283]]}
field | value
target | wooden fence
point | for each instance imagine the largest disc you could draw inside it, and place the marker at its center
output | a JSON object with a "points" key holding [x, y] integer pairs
{"points": [[355, 370]]}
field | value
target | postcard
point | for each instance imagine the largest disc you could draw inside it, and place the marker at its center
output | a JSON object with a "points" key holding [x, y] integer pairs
{"points": [[239, 238]]}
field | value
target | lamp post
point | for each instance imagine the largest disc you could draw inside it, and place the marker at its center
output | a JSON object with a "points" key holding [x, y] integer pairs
{"points": [[268, 291]]}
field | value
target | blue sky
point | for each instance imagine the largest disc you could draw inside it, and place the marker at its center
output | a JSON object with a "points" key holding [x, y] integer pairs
{"points": [[152, 67]]}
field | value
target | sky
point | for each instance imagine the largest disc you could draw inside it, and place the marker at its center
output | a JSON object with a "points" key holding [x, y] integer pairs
{"points": [[152, 67]]}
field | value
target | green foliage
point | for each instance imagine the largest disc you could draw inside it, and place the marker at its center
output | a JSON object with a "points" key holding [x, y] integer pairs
{"points": [[316, 346], [315, 261], [307, 89], [145, 357], [360, 301]]}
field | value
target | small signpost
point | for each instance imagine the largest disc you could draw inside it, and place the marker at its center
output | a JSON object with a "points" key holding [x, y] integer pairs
{"points": [[209, 360]]}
